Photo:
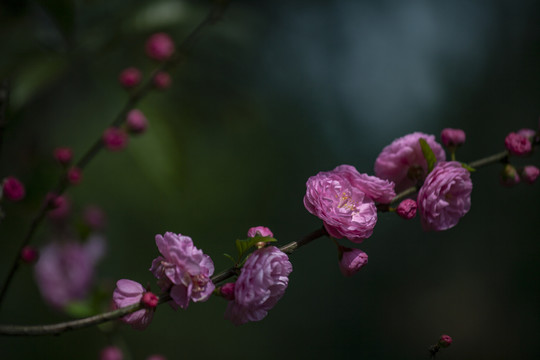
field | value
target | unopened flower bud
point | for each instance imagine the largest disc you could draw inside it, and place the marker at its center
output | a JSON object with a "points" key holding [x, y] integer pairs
{"points": [[29, 254], [63, 155], [162, 80], [445, 341], [111, 353], [130, 77], [13, 189], [136, 122], [115, 139], [94, 217], [159, 46], [351, 260], [517, 144], [259, 231], [407, 209], [149, 300], [509, 176], [452, 137], [227, 291], [530, 174], [74, 175], [59, 206]]}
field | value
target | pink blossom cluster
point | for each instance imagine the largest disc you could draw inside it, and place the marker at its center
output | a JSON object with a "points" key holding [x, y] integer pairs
{"points": [[403, 161], [345, 200], [262, 282], [182, 270]]}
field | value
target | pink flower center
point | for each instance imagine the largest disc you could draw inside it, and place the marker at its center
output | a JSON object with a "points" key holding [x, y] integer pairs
{"points": [[199, 282]]}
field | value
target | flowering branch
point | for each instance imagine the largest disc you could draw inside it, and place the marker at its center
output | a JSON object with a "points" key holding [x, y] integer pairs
{"points": [[184, 48], [55, 329]]}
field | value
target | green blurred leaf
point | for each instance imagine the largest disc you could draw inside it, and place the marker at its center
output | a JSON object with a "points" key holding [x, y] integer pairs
{"points": [[428, 154], [230, 257], [79, 309], [244, 245], [469, 168]]}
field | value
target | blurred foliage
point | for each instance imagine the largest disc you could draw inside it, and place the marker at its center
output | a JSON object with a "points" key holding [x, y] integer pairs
{"points": [[270, 95]]}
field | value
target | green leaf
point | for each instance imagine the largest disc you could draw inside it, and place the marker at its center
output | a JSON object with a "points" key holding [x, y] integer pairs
{"points": [[469, 168], [79, 309], [243, 245], [428, 154], [230, 257]]}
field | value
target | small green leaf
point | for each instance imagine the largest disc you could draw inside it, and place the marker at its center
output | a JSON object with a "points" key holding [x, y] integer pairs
{"points": [[243, 245], [428, 154], [469, 168], [79, 309], [230, 257]]}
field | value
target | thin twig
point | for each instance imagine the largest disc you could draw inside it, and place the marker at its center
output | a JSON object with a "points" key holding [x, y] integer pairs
{"points": [[183, 50]]}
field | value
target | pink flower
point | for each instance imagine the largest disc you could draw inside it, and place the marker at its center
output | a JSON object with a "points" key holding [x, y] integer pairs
{"points": [[259, 231], [129, 292], [136, 121], [111, 353], [63, 155], [262, 282], [159, 46], [351, 260], [65, 271], [344, 200], [162, 80], [115, 139], [407, 209], [156, 357], [403, 158], [530, 174], [130, 77], [452, 137], [445, 196], [517, 144], [183, 269], [59, 207], [13, 189]]}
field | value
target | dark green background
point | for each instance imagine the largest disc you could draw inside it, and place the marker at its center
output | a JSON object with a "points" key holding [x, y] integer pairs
{"points": [[273, 94]]}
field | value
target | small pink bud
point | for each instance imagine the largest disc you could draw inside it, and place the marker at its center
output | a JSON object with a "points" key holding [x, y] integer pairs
{"points": [[407, 209], [159, 46], [227, 291], [74, 175], [530, 174], [63, 155], [149, 300], [136, 122], [13, 189], [29, 254], [452, 137], [351, 260], [528, 133], [162, 80], [59, 206], [94, 217], [445, 341], [115, 139], [130, 77], [259, 231], [111, 353], [518, 145], [509, 176]]}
